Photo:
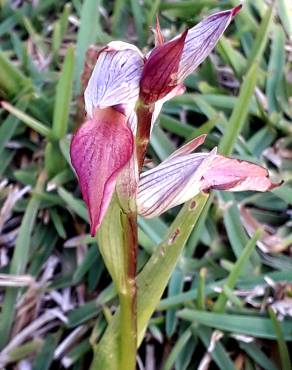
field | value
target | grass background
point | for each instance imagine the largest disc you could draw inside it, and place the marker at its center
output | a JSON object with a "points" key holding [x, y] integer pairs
{"points": [[55, 294]]}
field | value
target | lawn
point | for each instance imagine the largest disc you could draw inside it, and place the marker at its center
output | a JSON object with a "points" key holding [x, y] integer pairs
{"points": [[214, 282]]}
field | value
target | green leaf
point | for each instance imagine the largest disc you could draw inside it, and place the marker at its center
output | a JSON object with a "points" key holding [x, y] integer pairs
{"points": [[258, 356], [12, 79], [284, 192], [174, 287], [240, 112], [28, 120], [243, 283], [110, 239], [260, 42], [161, 144], [60, 28], [237, 269], [54, 160], [138, 13], [63, 97], [19, 261], [276, 67], [285, 12], [283, 349], [10, 124], [235, 59], [46, 356], [259, 327], [76, 205], [87, 34], [176, 350]]}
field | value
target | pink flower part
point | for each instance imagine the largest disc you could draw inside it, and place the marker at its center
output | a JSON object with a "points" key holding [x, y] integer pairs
{"points": [[115, 78], [159, 75], [171, 183], [158, 36], [236, 175], [189, 147], [202, 39], [99, 150], [184, 174]]}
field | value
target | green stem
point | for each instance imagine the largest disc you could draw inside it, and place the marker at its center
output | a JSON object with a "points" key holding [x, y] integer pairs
{"points": [[128, 295], [128, 336]]}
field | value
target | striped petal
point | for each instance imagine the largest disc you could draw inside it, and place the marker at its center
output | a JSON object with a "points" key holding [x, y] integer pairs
{"points": [[115, 78], [171, 183], [183, 175], [202, 39]]}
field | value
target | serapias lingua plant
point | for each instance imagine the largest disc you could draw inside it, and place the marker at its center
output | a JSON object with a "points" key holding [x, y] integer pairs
{"points": [[123, 99]]}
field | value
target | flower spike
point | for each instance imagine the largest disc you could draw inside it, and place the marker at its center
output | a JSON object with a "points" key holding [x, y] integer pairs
{"points": [[103, 146]]}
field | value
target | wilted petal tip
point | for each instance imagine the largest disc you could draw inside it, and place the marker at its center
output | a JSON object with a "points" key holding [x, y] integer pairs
{"points": [[236, 10], [275, 185]]}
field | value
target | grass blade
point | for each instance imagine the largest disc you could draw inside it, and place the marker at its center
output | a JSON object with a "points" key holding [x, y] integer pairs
{"points": [[63, 97], [88, 32], [220, 304], [283, 349], [28, 120], [19, 261], [259, 327], [240, 111]]}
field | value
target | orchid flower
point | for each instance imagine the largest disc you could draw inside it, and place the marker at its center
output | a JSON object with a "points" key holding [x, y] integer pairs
{"points": [[103, 149]]}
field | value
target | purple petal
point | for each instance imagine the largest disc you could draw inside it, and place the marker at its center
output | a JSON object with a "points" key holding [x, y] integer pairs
{"points": [[189, 147], [159, 75], [99, 150], [201, 40]]}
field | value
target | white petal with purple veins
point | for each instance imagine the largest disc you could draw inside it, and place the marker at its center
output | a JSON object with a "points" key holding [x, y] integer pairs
{"points": [[201, 40], [115, 78], [171, 183]]}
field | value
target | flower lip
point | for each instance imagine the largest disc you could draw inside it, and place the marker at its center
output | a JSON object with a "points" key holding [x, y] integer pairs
{"points": [[99, 151]]}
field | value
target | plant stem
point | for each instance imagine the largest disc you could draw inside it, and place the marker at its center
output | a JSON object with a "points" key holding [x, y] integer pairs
{"points": [[144, 116], [128, 295]]}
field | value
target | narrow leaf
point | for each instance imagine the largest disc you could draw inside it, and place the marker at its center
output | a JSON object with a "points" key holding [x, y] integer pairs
{"points": [[240, 111], [63, 97], [259, 327], [237, 269], [28, 120]]}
